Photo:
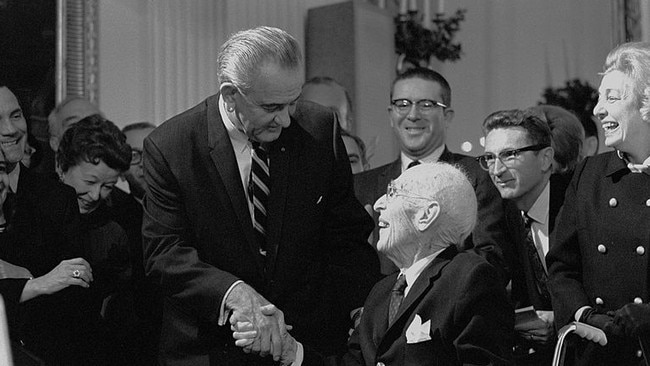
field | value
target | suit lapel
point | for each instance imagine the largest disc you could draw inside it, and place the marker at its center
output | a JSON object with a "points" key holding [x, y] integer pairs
{"points": [[223, 157], [422, 285]]}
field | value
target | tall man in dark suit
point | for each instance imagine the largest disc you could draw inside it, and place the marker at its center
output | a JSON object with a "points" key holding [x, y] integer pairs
{"points": [[420, 113], [444, 307], [205, 241], [520, 156]]}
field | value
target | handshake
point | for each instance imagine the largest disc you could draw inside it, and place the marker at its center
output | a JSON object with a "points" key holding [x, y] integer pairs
{"points": [[258, 326]]}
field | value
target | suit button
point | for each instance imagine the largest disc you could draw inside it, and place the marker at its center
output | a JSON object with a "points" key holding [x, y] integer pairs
{"points": [[613, 202], [599, 301], [647, 203], [602, 248], [639, 353], [638, 300], [640, 250], [380, 364]]}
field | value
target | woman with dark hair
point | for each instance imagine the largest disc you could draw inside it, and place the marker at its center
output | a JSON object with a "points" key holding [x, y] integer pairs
{"points": [[92, 154]]}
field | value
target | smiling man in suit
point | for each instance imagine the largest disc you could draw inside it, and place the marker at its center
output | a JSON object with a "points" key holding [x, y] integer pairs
{"points": [[420, 113], [444, 307], [530, 156], [249, 202]]}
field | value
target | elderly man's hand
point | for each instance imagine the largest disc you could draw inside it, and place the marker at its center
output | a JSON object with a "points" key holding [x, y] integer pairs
{"points": [[634, 319], [247, 306], [245, 335]]}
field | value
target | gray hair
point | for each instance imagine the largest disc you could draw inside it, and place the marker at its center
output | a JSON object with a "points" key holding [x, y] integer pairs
{"points": [[449, 186], [242, 55]]}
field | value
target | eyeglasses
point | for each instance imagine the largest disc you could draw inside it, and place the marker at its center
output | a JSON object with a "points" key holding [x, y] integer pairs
{"points": [[136, 156], [392, 191], [507, 157], [403, 106]]}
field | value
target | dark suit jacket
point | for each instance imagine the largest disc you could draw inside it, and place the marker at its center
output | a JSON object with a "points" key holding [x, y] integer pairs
{"points": [[199, 240], [524, 290], [463, 298], [489, 238], [600, 247]]}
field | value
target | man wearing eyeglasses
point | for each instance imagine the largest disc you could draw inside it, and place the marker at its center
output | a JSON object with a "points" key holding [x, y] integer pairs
{"points": [[520, 156], [135, 134], [420, 113]]}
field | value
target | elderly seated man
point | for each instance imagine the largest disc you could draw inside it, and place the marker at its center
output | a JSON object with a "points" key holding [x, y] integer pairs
{"points": [[444, 307]]}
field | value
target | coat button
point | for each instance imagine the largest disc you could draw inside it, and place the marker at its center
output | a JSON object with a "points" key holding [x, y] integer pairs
{"points": [[647, 203], [613, 202], [602, 248], [380, 364], [638, 300], [599, 301], [639, 353], [640, 250]]}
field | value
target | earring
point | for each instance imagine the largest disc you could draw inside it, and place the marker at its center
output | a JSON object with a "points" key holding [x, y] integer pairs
{"points": [[230, 109]]}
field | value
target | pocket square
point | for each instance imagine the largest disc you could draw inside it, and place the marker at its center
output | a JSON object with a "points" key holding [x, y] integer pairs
{"points": [[418, 332]]}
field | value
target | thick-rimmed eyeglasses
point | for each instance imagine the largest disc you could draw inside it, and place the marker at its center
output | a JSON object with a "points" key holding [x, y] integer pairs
{"points": [[403, 106], [392, 191], [507, 157], [136, 156]]}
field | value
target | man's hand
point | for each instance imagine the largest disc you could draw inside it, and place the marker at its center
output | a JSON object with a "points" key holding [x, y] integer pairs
{"points": [[634, 319], [247, 305], [245, 335], [542, 331]]}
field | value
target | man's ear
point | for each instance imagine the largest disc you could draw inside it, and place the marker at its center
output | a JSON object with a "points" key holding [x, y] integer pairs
{"points": [[449, 116], [228, 91], [427, 215], [547, 154]]}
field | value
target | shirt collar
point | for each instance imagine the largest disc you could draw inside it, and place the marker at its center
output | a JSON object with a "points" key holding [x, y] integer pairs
{"points": [[431, 158], [413, 272], [238, 137], [539, 210]]}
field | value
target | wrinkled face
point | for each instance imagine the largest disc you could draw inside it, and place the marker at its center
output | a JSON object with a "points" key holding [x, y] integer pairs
{"points": [[265, 110], [135, 174], [396, 228], [619, 113], [13, 127], [419, 132], [354, 154], [329, 95], [523, 178], [93, 183]]}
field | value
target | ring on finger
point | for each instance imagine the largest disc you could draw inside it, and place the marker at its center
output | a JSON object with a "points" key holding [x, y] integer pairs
{"points": [[76, 273]]}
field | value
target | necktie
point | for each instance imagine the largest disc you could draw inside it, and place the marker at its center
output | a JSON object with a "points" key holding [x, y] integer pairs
{"points": [[413, 163], [396, 297], [259, 193], [535, 261]]}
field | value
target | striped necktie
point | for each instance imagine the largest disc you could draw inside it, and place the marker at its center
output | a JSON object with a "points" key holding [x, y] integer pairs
{"points": [[541, 278], [258, 189]]}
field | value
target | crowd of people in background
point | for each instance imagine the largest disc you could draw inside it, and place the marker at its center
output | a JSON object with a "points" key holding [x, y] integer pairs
{"points": [[254, 231]]}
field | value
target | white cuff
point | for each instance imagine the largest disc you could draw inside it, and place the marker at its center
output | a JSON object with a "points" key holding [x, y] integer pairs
{"points": [[223, 314]]}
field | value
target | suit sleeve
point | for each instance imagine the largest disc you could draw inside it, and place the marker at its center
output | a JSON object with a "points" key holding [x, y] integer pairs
{"points": [[171, 259], [564, 258], [353, 262]]}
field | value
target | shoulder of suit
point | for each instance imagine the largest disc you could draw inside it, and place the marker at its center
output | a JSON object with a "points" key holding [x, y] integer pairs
{"points": [[184, 122], [315, 119]]}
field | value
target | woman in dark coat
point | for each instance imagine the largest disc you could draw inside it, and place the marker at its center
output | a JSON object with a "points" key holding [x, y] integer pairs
{"points": [[600, 249]]}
